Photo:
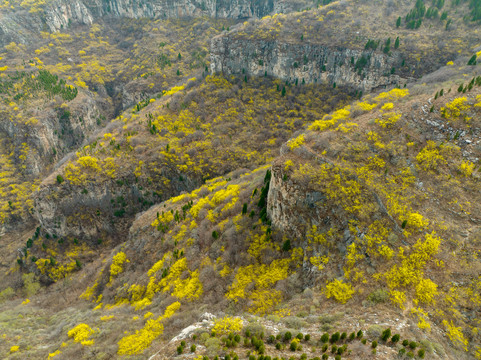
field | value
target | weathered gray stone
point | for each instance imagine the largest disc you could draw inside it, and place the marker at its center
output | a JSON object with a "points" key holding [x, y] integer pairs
{"points": [[311, 63]]}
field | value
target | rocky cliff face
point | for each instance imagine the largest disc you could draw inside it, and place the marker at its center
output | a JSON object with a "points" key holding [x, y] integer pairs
{"points": [[298, 62], [101, 209], [294, 208], [58, 131], [19, 24]]}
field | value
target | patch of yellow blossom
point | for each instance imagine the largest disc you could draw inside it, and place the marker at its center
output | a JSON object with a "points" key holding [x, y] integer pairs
{"points": [[394, 94], [117, 265], [52, 355], [339, 290], [295, 143], [455, 108], [467, 168], [227, 325], [143, 338], [365, 106], [456, 335], [81, 334], [254, 282]]}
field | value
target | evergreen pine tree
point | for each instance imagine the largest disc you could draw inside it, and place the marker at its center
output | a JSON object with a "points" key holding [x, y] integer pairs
{"points": [[472, 61], [398, 22], [387, 46]]}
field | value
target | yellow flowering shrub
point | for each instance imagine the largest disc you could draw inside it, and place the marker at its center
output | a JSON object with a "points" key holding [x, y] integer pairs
{"points": [[81, 334], [329, 121], [288, 164], [174, 90], [386, 252], [456, 335], [423, 323], [365, 106], [340, 291], [52, 355], [429, 157], [163, 220], [387, 106], [55, 271], [319, 261], [467, 168], [398, 298], [426, 291], [388, 120], [255, 282], [347, 127], [189, 287], [394, 94], [89, 162], [143, 338], [159, 265], [295, 143], [410, 270], [117, 265], [14, 349], [455, 108], [227, 325], [88, 168]]}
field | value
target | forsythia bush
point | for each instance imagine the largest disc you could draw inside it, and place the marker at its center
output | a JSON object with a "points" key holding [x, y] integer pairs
{"points": [[467, 168], [329, 121], [455, 108], [57, 271], [189, 287], [340, 291], [117, 265], [52, 355], [263, 277], [388, 120], [398, 298], [426, 290], [227, 325], [142, 339], [456, 335], [423, 324], [429, 157], [295, 143], [365, 106], [81, 333], [392, 95]]}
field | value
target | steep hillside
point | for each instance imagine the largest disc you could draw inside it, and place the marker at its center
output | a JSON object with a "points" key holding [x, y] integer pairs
{"points": [[365, 44], [23, 19], [364, 208], [61, 90], [172, 145], [181, 185]]}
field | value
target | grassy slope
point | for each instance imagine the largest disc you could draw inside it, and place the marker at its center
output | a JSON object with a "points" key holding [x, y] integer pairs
{"points": [[441, 197], [352, 23]]}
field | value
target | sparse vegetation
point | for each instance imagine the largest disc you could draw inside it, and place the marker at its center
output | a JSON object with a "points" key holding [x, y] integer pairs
{"points": [[301, 213]]}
